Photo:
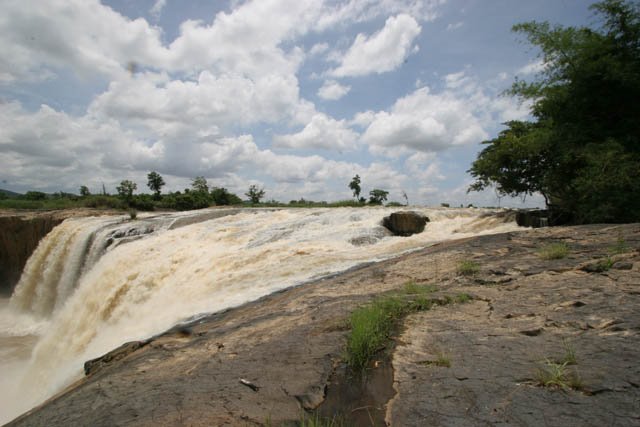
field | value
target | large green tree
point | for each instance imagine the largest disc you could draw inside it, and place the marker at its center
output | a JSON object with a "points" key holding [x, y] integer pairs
{"points": [[354, 185], [155, 182], [581, 151], [125, 189], [255, 194]]}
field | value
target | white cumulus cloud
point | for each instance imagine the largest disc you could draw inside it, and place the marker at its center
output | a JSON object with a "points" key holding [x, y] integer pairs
{"points": [[332, 90], [321, 132], [156, 9], [381, 52]]}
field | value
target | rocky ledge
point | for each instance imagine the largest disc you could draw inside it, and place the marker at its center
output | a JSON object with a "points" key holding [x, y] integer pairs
{"points": [[542, 342]]}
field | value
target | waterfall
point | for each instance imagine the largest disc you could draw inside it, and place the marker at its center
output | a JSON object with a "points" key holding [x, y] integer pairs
{"points": [[97, 293]]}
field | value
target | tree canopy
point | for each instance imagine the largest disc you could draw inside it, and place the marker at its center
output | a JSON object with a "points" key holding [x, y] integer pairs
{"points": [[155, 182], [255, 194], [354, 185], [581, 151], [126, 189]]}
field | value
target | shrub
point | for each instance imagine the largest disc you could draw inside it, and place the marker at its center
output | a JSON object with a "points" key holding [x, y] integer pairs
{"points": [[142, 202], [35, 195]]}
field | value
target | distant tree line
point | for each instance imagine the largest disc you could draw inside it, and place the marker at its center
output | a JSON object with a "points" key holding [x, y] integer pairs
{"points": [[199, 195]]}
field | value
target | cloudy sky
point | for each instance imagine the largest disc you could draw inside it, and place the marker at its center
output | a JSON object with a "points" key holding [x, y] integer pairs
{"points": [[297, 96]]}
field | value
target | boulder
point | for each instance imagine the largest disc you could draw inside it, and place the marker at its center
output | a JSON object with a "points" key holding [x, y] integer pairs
{"points": [[405, 223]]}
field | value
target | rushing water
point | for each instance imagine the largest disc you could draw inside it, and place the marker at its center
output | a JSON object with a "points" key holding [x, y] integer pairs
{"points": [[83, 292]]}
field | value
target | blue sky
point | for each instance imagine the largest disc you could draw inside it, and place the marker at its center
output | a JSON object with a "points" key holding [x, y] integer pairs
{"points": [[296, 96]]}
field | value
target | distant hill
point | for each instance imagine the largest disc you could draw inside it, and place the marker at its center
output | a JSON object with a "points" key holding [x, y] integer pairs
{"points": [[9, 193]]}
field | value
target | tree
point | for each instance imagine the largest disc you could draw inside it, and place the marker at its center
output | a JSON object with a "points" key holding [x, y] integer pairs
{"points": [[354, 185], [377, 196], [84, 191], [582, 151], [126, 188], [155, 183], [200, 184], [255, 194], [221, 196]]}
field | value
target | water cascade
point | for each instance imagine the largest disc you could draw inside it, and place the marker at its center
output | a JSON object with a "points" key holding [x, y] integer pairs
{"points": [[83, 292]]}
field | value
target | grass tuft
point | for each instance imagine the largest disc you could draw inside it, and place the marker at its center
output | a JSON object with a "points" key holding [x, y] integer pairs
{"points": [[620, 247], [557, 375], [372, 324], [317, 421], [554, 251], [370, 329], [569, 356], [468, 268]]}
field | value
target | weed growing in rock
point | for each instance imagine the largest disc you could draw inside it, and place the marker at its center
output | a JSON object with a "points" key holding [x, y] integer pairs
{"points": [[370, 328], [133, 214], [372, 324], [468, 268], [554, 251], [602, 265], [557, 375], [412, 288], [442, 360], [317, 421], [569, 356], [462, 298], [620, 247]]}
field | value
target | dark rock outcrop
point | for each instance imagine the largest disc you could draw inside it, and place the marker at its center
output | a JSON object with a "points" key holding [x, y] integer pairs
{"points": [[405, 223], [19, 237], [532, 218]]}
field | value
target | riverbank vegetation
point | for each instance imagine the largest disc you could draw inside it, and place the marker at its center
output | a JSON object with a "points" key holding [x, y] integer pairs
{"points": [[199, 196], [581, 151]]}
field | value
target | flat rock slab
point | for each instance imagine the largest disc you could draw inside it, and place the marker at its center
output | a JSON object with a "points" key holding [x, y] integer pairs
{"points": [[288, 345], [497, 344]]}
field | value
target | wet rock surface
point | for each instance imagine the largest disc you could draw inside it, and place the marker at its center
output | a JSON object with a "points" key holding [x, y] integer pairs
{"points": [[526, 311], [405, 223]]}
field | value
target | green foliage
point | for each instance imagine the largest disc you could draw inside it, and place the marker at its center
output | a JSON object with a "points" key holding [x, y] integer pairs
{"points": [[255, 194], [199, 184], [84, 191], [569, 357], [142, 202], [189, 201], [221, 196], [133, 214], [442, 360], [377, 196], [394, 204], [582, 152], [558, 375], [34, 195], [620, 247], [155, 182], [103, 202], [371, 327], [354, 185], [125, 189], [372, 324], [468, 268], [317, 421], [554, 251]]}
